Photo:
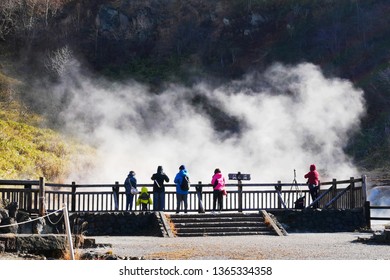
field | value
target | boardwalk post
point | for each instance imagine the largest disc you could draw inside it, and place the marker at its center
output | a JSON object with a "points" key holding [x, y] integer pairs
{"points": [[42, 208], [278, 189], [352, 193], [364, 188], [239, 192], [28, 198], [73, 198], [334, 192], [115, 193], [198, 189], [367, 214]]}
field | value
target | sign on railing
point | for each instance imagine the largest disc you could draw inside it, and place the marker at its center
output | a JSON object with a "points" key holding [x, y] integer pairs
{"points": [[238, 176]]}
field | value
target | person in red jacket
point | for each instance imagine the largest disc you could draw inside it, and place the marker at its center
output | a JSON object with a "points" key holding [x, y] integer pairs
{"points": [[313, 181]]}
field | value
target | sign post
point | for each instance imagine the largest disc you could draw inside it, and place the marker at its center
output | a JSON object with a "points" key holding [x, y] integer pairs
{"points": [[239, 177]]}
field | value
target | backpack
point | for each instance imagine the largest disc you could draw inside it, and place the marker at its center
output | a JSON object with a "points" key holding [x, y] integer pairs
{"points": [[185, 183], [300, 203]]}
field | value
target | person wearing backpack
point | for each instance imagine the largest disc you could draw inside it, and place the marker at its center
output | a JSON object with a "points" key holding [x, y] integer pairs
{"points": [[144, 199], [130, 190], [159, 179], [182, 186]]}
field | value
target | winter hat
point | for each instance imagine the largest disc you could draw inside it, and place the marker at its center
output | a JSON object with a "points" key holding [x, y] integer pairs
{"points": [[182, 167]]}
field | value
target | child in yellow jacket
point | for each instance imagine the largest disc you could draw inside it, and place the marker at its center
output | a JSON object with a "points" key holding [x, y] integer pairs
{"points": [[144, 199]]}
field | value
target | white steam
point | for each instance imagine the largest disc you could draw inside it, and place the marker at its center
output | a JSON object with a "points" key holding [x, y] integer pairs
{"points": [[292, 118]]}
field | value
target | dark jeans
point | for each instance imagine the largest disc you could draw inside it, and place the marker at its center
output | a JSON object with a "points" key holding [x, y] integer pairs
{"points": [[116, 200], [218, 197], [314, 194], [158, 201], [181, 198], [144, 206], [129, 201]]}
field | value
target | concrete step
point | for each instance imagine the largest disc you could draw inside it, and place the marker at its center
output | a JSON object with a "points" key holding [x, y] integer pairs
{"points": [[197, 234], [223, 229], [213, 218], [222, 214], [220, 224], [227, 224]]}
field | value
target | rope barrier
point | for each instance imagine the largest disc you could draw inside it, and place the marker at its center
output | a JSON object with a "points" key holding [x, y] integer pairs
{"points": [[29, 221], [48, 218], [64, 211]]}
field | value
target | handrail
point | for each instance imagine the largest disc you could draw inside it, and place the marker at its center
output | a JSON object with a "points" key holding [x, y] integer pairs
{"points": [[270, 184], [241, 196], [337, 196], [369, 216]]}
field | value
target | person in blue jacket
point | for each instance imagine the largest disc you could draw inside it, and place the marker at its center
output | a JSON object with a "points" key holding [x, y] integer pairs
{"points": [[181, 194]]}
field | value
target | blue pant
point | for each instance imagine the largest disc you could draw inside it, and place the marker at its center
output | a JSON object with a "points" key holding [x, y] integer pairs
{"points": [[158, 201], [129, 201]]}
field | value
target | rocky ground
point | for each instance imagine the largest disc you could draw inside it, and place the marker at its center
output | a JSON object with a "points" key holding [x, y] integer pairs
{"points": [[299, 246], [369, 245]]}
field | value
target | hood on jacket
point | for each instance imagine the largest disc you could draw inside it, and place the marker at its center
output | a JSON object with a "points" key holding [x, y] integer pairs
{"points": [[312, 167], [144, 190]]}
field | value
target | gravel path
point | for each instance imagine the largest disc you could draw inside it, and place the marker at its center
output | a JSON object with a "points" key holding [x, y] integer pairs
{"points": [[298, 246]]}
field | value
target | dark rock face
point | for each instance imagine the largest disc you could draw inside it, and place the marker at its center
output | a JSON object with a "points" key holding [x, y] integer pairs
{"points": [[117, 223], [319, 220], [12, 209], [49, 245], [6, 221]]}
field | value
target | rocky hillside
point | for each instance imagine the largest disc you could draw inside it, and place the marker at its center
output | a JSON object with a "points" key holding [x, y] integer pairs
{"points": [[160, 41]]}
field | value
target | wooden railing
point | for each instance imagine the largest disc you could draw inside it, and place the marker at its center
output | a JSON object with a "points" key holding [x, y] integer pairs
{"points": [[39, 197]]}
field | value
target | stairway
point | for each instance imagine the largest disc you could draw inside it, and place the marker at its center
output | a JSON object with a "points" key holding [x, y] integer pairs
{"points": [[224, 224]]}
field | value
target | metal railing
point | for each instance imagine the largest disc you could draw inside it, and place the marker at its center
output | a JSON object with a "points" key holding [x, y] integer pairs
{"points": [[39, 197]]}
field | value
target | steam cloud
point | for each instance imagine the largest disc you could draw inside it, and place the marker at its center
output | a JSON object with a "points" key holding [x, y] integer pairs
{"points": [[288, 118]]}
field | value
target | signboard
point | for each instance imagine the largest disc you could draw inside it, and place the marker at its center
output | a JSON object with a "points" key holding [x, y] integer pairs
{"points": [[239, 176]]}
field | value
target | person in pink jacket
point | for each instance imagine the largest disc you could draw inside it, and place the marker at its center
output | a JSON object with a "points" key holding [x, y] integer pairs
{"points": [[313, 181], [218, 182]]}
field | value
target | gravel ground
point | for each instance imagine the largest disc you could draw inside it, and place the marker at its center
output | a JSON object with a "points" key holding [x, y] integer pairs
{"points": [[298, 246], [295, 246]]}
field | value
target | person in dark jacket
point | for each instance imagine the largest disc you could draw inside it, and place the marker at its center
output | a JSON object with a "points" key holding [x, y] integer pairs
{"points": [[313, 181], [159, 180], [130, 190]]}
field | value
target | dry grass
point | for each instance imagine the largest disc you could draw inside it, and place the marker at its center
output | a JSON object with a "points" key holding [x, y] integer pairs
{"points": [[78, 243], [67, 255], [171, 224], [182, 252]]}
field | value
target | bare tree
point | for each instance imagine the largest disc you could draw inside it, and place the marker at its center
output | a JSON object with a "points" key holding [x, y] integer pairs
{"points": [[58, 61], [8, 19]]}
